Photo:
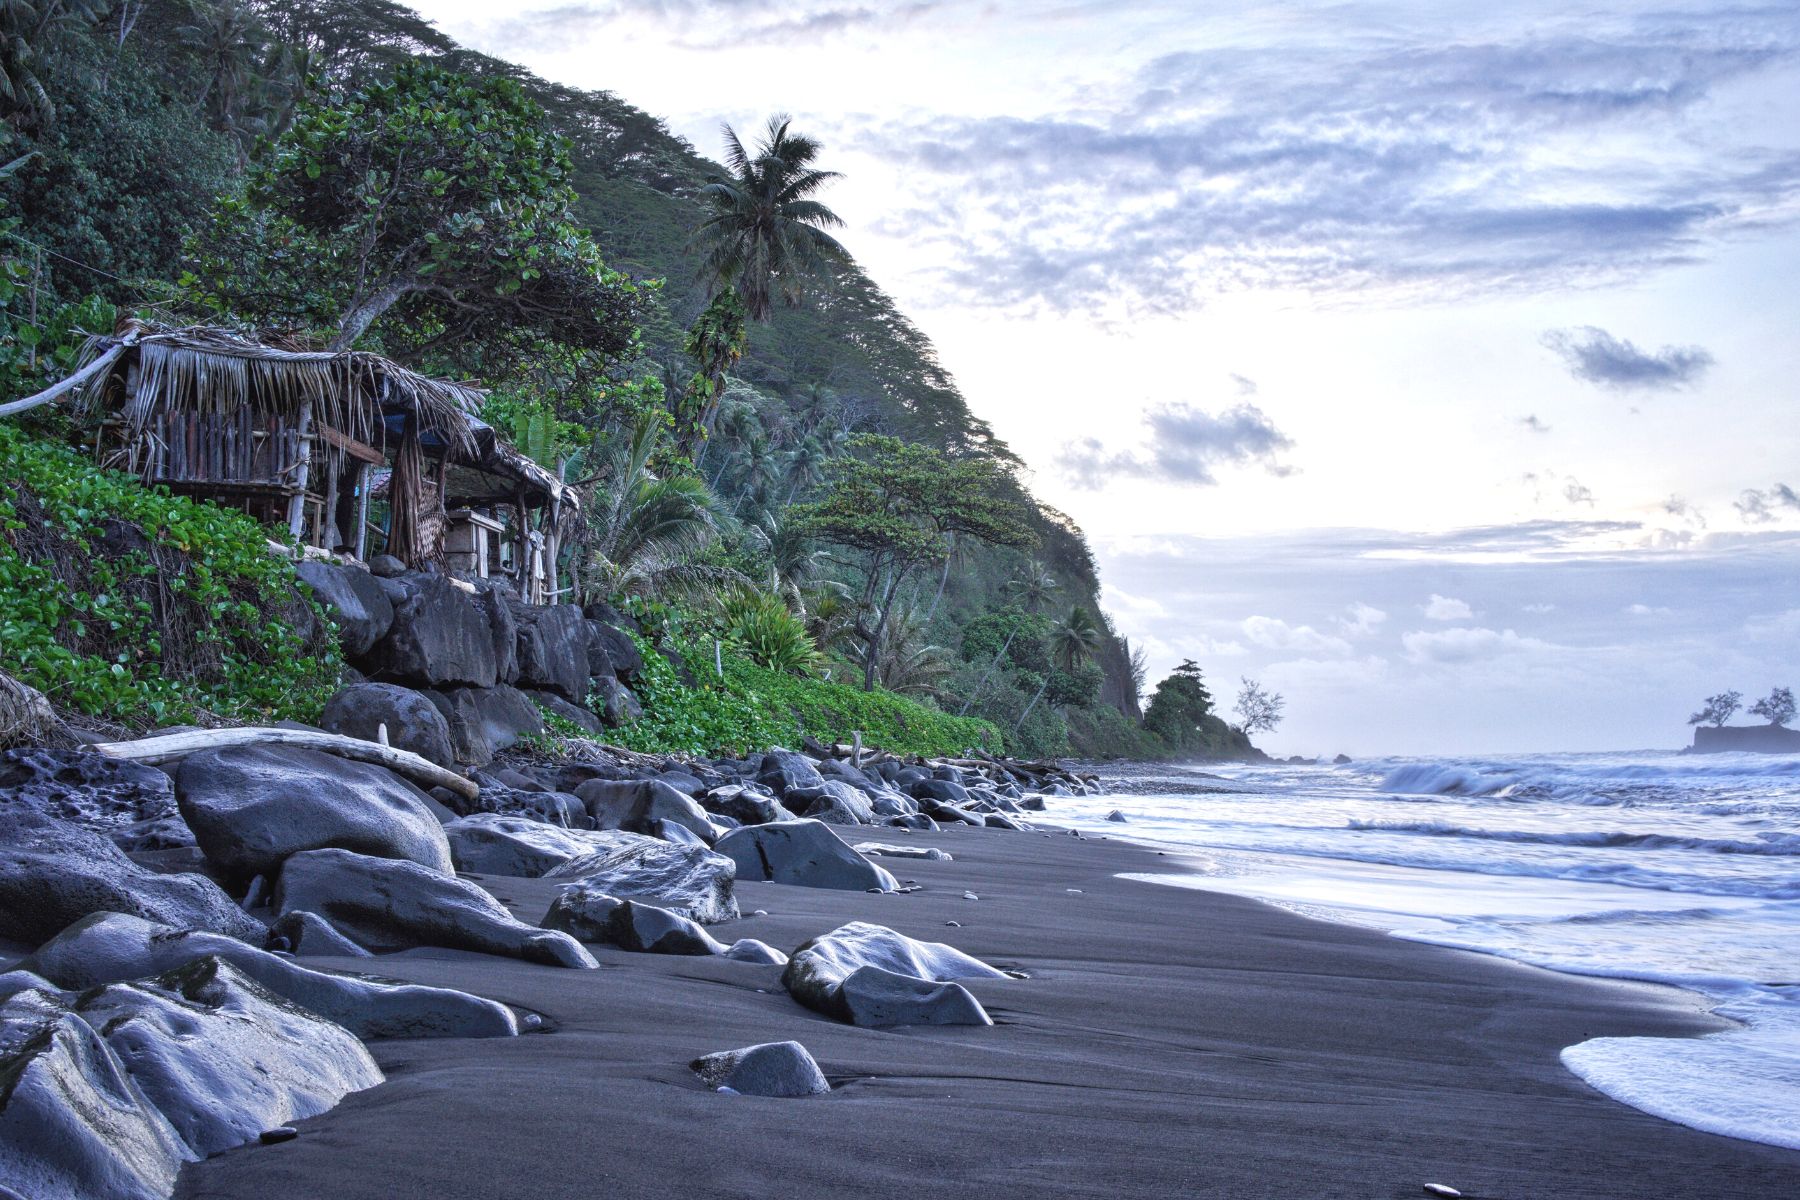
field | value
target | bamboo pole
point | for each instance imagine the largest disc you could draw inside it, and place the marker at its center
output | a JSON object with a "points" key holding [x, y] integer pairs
{"points": [[57, 390], [303, 450]]}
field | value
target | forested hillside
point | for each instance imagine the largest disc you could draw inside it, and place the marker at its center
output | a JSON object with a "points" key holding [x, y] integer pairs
{"points": [[180, 158]]}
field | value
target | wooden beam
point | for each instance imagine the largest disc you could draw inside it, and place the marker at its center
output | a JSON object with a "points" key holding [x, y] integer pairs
{"points": [[351, 446], [57, 390], [169, 746]]}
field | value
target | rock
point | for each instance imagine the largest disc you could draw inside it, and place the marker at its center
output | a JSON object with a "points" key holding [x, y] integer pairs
{"points": [[391, 904], [576, 715], [784, 770], [386, 566], [802, 852], [53, 873], [833, 801], [157, 833], [89, 789], [749, 950], [837, 768], [1116, 815], [222, 1057], [496, 844], [689, 880], [1341, 760], [440, 636], [485, 721], [309, 933], [413, 722], [884, 850], [684, 782], [552, 646], [278, 1135], [618, 704], [743, 803], [998, 820], [73, 1125], [944, 791], [356, 603], [633, 804], [251, 807], [110, 947], [781, 1069], [869, 975], [587, 913], [620, 652]]}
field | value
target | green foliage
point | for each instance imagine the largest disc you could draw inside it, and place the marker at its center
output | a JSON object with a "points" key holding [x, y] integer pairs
{"points": [[767, 631], [753, 707], [40, 340], [122, 601], [1178, 708]]}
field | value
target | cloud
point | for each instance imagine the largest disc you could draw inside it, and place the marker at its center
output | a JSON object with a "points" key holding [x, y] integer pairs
{"points": [[1647, 610], [1446, 608], [1532, 423], [1577, 492], [1539, 609], [1466, 645], [1364, 619], [695, 24], [1598, 357], [1760, 508], [1185, 446], [1245, 386], [1678, 507], [1272, 633]]}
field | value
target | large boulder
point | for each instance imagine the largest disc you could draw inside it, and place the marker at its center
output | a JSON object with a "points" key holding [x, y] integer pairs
{"points": [[251, 807], [618, 704], [110, 947], [485, 721], [833, 801], [782, 1069], [53, 873], [389, 904], [636, 805], [413, 721], [568, 710], [616, 648], [222, 1057], [553, 649], [441, 636], [73, 1125], [944, 791], [686, 879], [354, 599], [309, 933], [588, 914], [783, 770], [495, 600], [499, 844], [89, 789], [869, 975], [806, 853], [747, 804]]}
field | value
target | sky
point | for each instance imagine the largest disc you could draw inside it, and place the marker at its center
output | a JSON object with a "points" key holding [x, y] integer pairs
{"points": [[1433, 363]]}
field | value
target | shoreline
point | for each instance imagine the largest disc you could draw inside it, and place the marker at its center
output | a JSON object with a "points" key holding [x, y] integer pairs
{"points": [[1170, 1041]]}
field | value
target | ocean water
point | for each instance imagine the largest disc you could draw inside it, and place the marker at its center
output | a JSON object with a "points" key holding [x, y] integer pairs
{"points": [[1647, 866]]}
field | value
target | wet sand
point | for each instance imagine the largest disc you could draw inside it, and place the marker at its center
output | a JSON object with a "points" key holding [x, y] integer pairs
{"points": [[1169, 1042]]}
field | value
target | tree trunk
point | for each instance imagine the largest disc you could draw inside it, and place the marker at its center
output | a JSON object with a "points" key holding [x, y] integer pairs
{"points": [[356, 322], [872, 655], [976, 694], [939, 598], [1033, 704]]}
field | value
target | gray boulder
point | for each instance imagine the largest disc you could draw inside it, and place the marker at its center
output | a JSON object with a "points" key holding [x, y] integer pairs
{"points": [[354, 600], [618, 704], [869, 975], [110, 947], [685, 879], [635, 805], [441, 636], [309, 933], [886, 850], [944, 791], [251, 807], [222, 1057], [89, 789], [495, 602], [571, 712], [552, 646], [803, 852], [744, 803], [783, 1069], [498, 844], [619, 651], [73, 1125], [413, 722], [783, 770], [588, 914], [833, 801], [53, 873], [389, 904], [485, 721], [750, 950]]}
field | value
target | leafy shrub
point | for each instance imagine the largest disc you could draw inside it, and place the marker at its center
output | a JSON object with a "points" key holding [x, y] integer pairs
{"points": [[124, 602], [767, 631]]}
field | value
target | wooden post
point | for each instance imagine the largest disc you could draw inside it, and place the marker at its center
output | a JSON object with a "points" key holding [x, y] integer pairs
{"points": [[362, 511], [303, 452]]}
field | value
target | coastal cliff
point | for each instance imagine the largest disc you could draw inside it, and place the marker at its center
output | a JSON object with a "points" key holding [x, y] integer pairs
{"points": [[1748, 739]]}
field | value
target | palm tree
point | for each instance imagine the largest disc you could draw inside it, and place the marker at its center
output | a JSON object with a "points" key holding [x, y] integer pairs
{"points": [[805, 465], [29, 31], [1033, 586], [767, 234], [910, 664], [1072, 643]]}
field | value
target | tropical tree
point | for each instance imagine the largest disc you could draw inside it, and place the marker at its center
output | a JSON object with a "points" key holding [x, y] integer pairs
{"points": [[804, 466], [1258, 709], [1777, 708], [1072, 642], [645, 533], [30, 30], [910, 663], [1033, 586], [715, 343], [1718, 709], [1180, 704]]}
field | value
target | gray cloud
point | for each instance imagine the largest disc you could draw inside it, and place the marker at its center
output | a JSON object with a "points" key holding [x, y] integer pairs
{"points": [[1598, 357], [1577, 492], [1760, 507], [1245, 385], [699, 24], [1185, 446], [1534, 424]]}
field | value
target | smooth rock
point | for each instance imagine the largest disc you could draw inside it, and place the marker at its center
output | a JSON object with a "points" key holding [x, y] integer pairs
{"points": [[870, 975], [833, 801], [690, 880], [634, 804], [355, 602], [784, 770], [884, 850], [498, 844], [1116, 816], [309, 933], [588, 914], [389, 904], [251, 807], [743, 803], [750, 950], [412, 720], [782, 1069], [802, 852]]}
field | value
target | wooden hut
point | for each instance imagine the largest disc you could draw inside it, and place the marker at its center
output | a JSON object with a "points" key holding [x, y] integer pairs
{"points": [[301, 438]]}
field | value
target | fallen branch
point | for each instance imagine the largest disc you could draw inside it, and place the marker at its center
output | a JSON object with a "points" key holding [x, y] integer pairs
{"points": [[168, 746], [74, 381]]}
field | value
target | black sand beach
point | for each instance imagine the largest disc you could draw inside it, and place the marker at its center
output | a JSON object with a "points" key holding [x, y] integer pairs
{"points": [[1169, 1043]]}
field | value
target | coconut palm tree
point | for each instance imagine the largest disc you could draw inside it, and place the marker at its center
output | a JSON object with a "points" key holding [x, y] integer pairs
{"points": [[910, 664], [805, 466], [1033, 586], [1072, 643], [766, 237]]}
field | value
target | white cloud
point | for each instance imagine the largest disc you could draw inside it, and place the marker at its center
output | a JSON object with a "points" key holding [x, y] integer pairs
{"points": [[1465, 645], [1540, 609], [1363, 620], [1647, 610], [1272, 633], [1447, 608]]}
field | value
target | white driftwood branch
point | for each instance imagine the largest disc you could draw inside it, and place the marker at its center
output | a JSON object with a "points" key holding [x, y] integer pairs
{"points": [[68, 385], [169, 746]]}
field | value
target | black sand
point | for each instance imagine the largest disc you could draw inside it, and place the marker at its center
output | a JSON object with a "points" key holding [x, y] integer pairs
{"points": [[1169, 1043]]}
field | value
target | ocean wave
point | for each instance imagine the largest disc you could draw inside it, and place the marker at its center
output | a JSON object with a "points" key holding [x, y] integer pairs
{"points": [[1772, 844]]}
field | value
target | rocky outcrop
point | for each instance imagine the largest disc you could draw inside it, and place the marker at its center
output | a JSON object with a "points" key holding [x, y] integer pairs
{"points": [[1746, 739], [88, 789], [485, 721], [412, 721], [553, 649], [389, 904], [782, 1069], [685, 879], [806, 853], [110, 948], [252, 807], [869, 975], [440, 636], [53, 873], [356, 603]]}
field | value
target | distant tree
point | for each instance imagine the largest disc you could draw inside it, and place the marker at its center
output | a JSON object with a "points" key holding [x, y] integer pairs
{"points": [[1180, 704], [1072, 643], [1718, 709], [1777, 708], [1258, 709], [645, 533], [895, 506]]}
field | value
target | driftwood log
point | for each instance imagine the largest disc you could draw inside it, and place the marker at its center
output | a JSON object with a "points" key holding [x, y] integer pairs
{"points": [[168, 746], [78, 379]]}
